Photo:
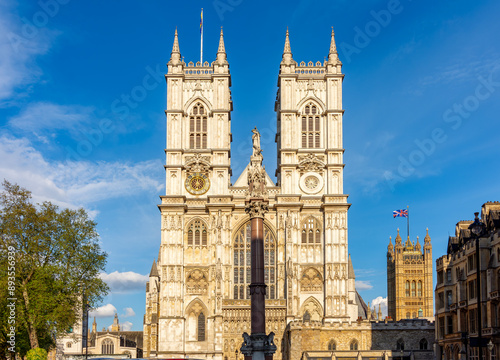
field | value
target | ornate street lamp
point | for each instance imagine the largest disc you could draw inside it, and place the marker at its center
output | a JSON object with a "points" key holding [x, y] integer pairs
{"points": [[490, 347], [477, 229]]}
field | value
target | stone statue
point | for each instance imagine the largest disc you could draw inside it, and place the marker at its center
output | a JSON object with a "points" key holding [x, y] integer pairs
{"points": [[256, 142]]}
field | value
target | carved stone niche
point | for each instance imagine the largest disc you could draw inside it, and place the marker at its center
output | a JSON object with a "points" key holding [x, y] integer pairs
{"points": [[197, 163], [311, 281], [196, 282], [311, 163]]}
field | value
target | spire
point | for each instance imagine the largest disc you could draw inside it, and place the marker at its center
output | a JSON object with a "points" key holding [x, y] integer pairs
{"points": [[333, 56], [287, 51], [417, 245], [350, 271], [221, 52], [427, 239], [154, 270], [379, 314], [398, 239], [94, 326], [175, 56], [390, 247], [408, 244], [368, 312]]}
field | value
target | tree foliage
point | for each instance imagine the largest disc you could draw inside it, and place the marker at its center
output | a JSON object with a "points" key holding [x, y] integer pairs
{"points": [[57, 264]]}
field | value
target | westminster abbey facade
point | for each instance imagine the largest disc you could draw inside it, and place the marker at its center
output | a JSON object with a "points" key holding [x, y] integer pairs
{"points": [[197, 297]]}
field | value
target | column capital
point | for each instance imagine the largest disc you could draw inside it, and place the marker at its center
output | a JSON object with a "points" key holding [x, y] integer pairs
{"points": [[257, 207]]}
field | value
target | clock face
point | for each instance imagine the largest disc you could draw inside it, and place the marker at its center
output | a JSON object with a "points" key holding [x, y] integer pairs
{"points": [[197, 183]]}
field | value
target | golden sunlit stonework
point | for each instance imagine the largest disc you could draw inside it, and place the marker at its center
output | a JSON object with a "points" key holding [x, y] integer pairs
{"points": [[197, 297], [409, 279]]}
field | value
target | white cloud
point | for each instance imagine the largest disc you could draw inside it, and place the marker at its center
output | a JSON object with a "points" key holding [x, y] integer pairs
{"points": [[125, 282], [382, 301], [128, 313], [20, 44], [103, 311], [74, 184], [44, 117], [126, 326], [363, 285]]}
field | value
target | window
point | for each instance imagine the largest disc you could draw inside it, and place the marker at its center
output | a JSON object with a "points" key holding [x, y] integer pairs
{"points": [[197, 234], [353, 345], [440, 277], [311, 231], [449, 325], [473, 321], [198, 127], [419, 288], [68, 345], [201, 327], [413, 289], [440, 300], [306, 317], [493, 355], [471, 262], [448, 276], [310, 127], [449, 298], [242, 262], [408, 315], [473, 353], [332, 346], [407, 288], [400, 344], [441, 327], [423, 344], [107, 347], [472, 289]]}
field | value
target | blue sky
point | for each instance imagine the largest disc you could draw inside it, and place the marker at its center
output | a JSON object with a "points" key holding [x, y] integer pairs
{"points": [[421, 95]]}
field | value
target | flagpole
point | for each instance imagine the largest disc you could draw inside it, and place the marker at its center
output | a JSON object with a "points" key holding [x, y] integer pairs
{"points": [[408, 221], [201, 43]]}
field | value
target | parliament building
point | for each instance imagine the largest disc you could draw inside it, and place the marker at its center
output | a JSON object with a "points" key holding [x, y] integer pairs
{"points": [[197, 297]]}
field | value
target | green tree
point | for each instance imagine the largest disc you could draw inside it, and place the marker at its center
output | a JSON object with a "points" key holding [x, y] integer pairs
{"points": [[57, 264]]}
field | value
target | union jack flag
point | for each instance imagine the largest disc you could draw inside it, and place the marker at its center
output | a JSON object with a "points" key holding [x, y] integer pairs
{"points": [[402, 213]]}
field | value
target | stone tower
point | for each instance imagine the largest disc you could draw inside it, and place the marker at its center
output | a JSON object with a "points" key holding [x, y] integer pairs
{"points": [[409, 278], [310, 175], [197, 297]]}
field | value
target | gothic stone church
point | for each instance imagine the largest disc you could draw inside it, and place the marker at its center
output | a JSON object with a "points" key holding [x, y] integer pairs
{"points": [[197, 297]]}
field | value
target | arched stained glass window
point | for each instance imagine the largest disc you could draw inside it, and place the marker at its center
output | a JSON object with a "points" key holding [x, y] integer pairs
{"points": [[197, 234], [332, 346], [198, 127], [311, 231], [201, 327], [107, 347], [311, 127], [242, 263]]}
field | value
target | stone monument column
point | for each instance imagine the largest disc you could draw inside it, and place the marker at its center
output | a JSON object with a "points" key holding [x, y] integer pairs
{"points": [[258, 345]]}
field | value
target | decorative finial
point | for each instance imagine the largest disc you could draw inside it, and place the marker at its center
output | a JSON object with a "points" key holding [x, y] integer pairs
{"points": [[175, 56], [333, 57], [221, 52], [287, 58]]}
